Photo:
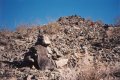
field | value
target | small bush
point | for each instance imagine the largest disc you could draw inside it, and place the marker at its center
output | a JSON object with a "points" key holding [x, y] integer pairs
{"points": [[51, 28], [22, 29]]}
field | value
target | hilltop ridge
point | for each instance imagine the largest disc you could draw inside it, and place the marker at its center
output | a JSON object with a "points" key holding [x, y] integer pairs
{"points": [[72, 48]]}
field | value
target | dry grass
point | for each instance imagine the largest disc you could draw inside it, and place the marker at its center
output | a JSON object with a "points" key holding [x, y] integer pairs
{"points": [[26, 30], [51, 28], [22, 29], [5, 32]]}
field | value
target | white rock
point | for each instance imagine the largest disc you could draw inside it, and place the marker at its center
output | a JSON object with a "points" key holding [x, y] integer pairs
{"points": [[2, 48], [46, 40], [18, 42], [29, 77], [62, 62], [12, 78], [30, 39], [81, 38], [49, 50]]}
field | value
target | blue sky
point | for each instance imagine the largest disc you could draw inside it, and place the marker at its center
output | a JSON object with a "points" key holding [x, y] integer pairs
{"points": [[15, 12]]}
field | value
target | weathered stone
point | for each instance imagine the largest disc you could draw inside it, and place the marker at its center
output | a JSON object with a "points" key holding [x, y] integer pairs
{"points": [[13, 78], [46, 40], [30, 59], [79, 49], [19, 42], [43, 40], [42, 60], [72, 62], [54, 76], [49, 50], [29, 77], [2, 48], [61, 63], [55, 51], [81, 38]]}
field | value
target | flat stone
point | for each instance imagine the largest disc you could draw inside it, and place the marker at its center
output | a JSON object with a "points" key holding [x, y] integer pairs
{"points": [[62, 62], [18, 42]]}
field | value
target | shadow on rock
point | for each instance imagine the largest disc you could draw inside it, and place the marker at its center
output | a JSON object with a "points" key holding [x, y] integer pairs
{"points": [[15, 64]]}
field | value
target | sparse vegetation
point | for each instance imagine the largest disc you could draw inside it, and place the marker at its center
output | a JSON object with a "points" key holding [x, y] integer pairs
{"points": [[85, 50], [51, 28], [117, 22]]}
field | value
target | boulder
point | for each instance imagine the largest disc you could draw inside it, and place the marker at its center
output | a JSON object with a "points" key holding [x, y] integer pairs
{"points": [[46, 40], [43, 40], [43, 61]]}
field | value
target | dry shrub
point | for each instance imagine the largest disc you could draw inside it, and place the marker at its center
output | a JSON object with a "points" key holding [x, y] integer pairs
{"points": [[26, 30], [22, 29], [5, 32], [117, 21], [116, 31], [95, 75], [51, 28], [100, 73], [113, 32], [5, 36], [67, 74]]}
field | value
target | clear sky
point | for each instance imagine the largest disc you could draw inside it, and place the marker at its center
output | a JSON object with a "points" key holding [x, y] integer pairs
{"points": [[15, 12]]}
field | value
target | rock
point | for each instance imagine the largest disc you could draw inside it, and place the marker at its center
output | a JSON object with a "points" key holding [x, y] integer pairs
{"points": [[19, 42], [55, 50], [1, 72], [61, 63], [2, 48], [72, 62], [30, 39], [38, 57], [81, 38], [49, 50], [109, 32], [42, 60], [3, 41], [33, 67], [43, 40], [46, 40], [30, 59], [12, 78], [56, 54], [29, 77], [54, 76], [72, 51]]}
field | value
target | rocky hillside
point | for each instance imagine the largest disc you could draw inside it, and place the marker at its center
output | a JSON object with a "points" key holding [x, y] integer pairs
{"points": [[71, 48]]}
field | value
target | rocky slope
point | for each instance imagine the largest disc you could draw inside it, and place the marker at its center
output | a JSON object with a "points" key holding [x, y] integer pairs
{"points": [[71, 48]]}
